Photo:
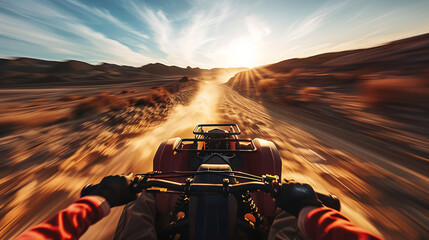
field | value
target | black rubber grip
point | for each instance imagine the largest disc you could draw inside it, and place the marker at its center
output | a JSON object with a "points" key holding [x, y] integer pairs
{"points": [[330, 201], [88, 189]]}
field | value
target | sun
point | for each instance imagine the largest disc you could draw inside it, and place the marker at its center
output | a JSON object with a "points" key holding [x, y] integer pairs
{"points": [[242, 53]]}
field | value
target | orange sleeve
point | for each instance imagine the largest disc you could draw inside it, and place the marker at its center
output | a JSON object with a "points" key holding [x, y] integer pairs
{"points": [[329, 224], [72, 222]]}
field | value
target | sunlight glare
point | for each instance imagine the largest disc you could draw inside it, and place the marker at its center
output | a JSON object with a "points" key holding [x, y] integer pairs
{"points": [[242, 53]]}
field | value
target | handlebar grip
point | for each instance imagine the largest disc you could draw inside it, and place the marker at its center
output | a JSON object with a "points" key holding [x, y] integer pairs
{"points": [[88, 189], [330, 201]]}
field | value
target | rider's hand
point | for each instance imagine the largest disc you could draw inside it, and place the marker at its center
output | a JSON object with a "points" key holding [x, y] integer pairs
{"points": [[115, 189], [295, 196]]}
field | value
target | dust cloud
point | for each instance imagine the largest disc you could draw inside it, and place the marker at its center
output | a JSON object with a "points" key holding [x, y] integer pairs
{"points": [[138, 156], [180, 124]]}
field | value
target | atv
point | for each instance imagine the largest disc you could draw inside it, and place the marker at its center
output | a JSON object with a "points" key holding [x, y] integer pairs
{"points": [[216, 185]]}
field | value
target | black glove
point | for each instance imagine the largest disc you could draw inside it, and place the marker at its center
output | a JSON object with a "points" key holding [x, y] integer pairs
{"points": [[295, 196], [115, 189]]}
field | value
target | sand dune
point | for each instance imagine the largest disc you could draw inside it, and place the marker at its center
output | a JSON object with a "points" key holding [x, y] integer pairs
{"points": [[382, 91]]}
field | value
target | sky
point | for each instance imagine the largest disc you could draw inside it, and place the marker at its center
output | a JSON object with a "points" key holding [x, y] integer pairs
{"points": [[201, 33]]}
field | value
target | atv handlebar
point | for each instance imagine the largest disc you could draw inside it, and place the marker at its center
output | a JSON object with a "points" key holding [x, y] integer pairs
{"points": [[189, 187]]}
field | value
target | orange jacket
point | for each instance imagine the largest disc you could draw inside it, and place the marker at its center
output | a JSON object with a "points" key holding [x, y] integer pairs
{"points": [[321, 223], [72, 222]]}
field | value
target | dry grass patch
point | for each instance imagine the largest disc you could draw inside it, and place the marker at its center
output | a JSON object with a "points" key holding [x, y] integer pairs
{"points": [[157, 95], [11, 122], [160, 95], [309, 94], [40, 101], [267, 85], [70, 98], [376, 92], [98, 104]]}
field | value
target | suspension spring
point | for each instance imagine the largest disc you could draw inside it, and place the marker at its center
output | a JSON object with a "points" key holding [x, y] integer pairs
{"points": [[249, 207]]}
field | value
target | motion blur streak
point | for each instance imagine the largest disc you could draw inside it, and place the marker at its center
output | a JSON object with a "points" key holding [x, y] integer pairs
{"points": [[138, 156], [45, 162], [299, 147]]}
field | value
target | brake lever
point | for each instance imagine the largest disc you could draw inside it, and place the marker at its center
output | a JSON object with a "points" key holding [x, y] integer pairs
{"points": [[272, 180]]}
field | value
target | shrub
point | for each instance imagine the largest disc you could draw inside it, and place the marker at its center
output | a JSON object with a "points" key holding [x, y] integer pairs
{"points": [[184, 79], [144, 101], [309, 94], [394, 90], [34, 119], [119, 105], [69, 98], [97, 104], [295, 72], [160, 95], [40, 101], [267, 85]]}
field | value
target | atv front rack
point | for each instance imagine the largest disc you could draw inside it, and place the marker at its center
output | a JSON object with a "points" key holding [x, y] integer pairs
{"points": [[250, 147], [234, 130]]}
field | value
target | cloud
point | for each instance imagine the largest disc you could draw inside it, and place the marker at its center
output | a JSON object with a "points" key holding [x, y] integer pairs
{"points": [[296, 41], [305, 27], [257, 28], [43, 10], [159, 24], [15, 28], [196, 32], [108, 47], [185, 39], [80, 42], [312, 23], [199, 37], [104, 14]]}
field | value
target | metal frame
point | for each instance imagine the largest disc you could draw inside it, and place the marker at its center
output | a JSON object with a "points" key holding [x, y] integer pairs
{"points": [[235, 130], [194, 140]]}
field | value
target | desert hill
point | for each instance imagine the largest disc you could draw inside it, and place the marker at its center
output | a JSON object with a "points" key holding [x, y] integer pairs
{"points": [[70, 66], [161, 69], [406, 54], [25, 64], [381, 92], [402, 64], [29, 71]]}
